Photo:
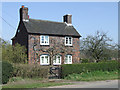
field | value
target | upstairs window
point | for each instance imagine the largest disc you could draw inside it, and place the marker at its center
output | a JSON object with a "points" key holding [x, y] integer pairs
{"points": [[68, 41], [44, 60], [57, 60], [68, 59], [44, 40]]}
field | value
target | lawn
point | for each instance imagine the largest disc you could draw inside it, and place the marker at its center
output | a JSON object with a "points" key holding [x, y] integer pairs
{"points": [[93, 76], [32, 83]]}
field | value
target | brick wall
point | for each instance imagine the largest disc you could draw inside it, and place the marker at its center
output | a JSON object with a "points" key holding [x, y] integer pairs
{"points": [[58, 39]]}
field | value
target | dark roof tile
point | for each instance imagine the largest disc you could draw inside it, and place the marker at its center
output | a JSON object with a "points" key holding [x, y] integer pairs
{"points": [[50, 28]]}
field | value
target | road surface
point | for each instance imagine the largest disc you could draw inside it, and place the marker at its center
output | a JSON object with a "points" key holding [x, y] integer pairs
{"points": [[94, 84]]}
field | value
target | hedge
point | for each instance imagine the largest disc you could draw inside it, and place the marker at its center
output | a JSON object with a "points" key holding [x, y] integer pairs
{"points": [[7, 70], [30, 71], [88, 67]]}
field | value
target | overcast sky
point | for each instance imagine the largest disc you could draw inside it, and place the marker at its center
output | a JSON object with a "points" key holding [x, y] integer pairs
{"points": [[87, 17]]}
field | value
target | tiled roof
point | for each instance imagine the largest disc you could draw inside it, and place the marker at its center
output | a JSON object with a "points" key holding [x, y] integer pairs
{"points": [[50, 28]]}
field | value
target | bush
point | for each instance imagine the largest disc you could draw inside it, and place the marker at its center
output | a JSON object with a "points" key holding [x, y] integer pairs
{"points": [[7, 70], [14, 54], [30, 71], [88, 67], [84, 60]]}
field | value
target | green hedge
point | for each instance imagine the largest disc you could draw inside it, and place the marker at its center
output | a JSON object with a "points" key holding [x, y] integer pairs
{"points": [[30, 71], [88, 67], [7, 70], [84, 60]]}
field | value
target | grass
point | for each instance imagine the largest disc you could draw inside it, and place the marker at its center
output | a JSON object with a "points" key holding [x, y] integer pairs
{"points": [[93, 76], [18, 82], [34, 85]]}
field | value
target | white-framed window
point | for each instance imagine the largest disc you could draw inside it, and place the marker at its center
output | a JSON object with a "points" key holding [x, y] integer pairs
{"points": [[44, 40], [57, 60], [68, 41], [68, 59], [44, 60]]}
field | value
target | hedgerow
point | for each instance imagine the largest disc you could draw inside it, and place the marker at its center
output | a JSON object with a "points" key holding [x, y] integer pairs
{"points": [[88, 67], [30, 71], [7, 70]]}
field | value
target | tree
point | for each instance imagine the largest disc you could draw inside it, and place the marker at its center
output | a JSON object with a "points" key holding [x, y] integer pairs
{"points": [[96, 47], [13, 54]]}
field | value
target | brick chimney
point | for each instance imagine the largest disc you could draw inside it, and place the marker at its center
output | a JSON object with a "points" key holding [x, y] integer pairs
{"points": [[67, 18], [24, 13]]}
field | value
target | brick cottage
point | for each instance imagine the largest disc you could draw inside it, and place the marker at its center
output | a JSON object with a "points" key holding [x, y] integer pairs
{"points": [[48, 42]]}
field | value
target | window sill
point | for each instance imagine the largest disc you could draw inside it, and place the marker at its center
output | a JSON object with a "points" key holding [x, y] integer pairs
{"points": [[57, 64], [67, 63], [44, 44], [44, 64]]}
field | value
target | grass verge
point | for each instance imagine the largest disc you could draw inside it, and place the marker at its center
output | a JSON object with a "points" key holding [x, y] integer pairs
{"points": [[93, 76], [18, 82], [35, 85]]}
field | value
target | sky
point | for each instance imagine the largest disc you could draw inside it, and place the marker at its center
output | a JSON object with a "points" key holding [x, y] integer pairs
{"points": [[87, 17]]}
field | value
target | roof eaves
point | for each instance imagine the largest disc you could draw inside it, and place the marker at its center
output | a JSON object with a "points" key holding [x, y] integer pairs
{"points": [[54, 34]]}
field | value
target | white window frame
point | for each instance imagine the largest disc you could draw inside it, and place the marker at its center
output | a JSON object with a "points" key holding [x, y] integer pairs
{"points": [[44, 40], [57, 61], [68, 44], [68, 60], [45, 61]]}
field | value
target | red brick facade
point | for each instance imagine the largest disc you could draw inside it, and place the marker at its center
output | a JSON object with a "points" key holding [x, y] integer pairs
{"points": [[32, 57]]}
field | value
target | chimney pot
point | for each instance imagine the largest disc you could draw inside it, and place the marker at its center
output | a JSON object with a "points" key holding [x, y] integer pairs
{"points": [[22, 6]]}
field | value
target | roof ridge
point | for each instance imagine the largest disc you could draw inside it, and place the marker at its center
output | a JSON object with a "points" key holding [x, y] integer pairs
{"points": [[47, 21]]}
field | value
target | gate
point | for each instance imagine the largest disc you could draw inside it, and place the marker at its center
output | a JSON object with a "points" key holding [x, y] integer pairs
{"points": [[55, 72]]}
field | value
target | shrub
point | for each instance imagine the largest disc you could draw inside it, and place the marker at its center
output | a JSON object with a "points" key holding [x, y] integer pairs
{"points": [[84, 60], [14, 54], [88, 67], [7, 70], [30, 71]]}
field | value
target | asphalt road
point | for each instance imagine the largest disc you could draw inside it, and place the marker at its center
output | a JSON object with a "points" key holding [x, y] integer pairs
{"points": [[95, 84]]}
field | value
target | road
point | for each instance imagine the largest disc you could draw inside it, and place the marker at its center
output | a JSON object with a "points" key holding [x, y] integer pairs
{"points": [[95, 84]]}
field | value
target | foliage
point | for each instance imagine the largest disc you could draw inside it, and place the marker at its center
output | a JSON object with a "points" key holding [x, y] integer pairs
{"points": [[84, 60], [14, 54], [93, 76], [97, 47], [88, 67], [30, 71], [14, 79], [7, 70]]}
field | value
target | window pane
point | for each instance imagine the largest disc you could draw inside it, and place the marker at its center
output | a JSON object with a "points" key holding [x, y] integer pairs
{"points": [[66, 59], [42, 38], [70, 58], [46, 58], [70, 40], [42, 59], [55, 59], [58, 59], [46, 39], [66, 40]]}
